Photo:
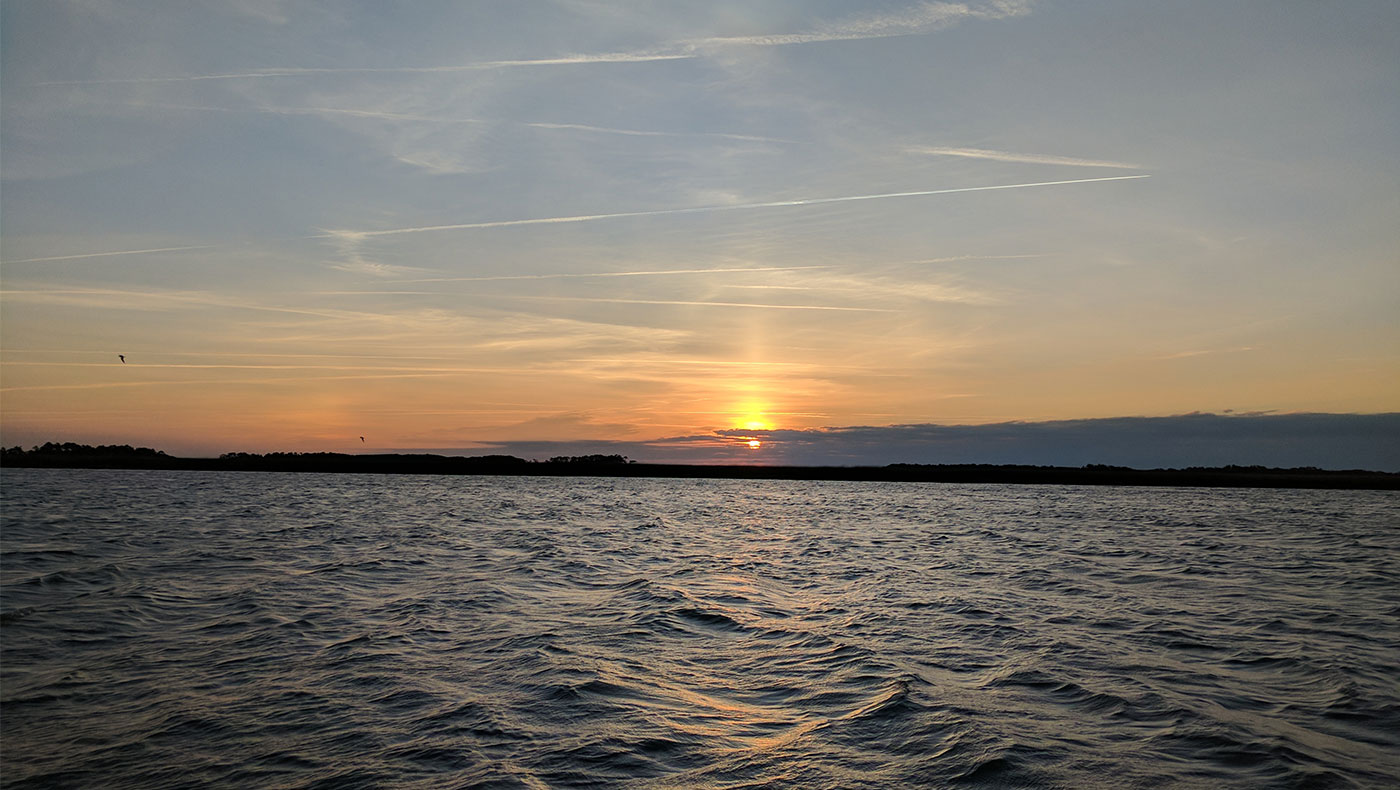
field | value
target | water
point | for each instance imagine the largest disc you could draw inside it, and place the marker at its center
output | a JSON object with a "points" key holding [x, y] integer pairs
{"points": [[187, 629]]}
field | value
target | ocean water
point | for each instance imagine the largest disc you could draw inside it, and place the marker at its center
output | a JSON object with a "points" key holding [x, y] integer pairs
{"points": [[242, 630]]}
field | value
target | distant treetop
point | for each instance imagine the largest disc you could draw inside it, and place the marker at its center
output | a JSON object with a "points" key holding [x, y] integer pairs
{"points": [[73, 448], [589, 459]]}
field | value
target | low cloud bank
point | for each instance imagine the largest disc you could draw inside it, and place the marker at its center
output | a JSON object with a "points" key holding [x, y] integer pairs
{"points": [[1328, 441]]}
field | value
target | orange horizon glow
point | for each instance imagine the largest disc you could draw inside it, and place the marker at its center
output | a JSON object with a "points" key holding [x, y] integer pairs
{"points": [[225, 399]]}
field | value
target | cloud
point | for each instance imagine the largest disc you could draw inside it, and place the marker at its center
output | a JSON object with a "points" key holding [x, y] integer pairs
{"points": [[922, 19], [221, 382], [1188, 354], [1326, 440], [351, 247], [1331, 441], [585, 275], [553, 424], [282, 73], [884, 289], [419, 144], [134, 363], [119, 299], [104, 353], [349, 242], [1007, 156], [709, 304], [749, 138], [548, 338]]}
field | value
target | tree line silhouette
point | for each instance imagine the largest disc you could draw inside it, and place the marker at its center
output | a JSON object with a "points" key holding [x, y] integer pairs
{"points": [[74, 455]]}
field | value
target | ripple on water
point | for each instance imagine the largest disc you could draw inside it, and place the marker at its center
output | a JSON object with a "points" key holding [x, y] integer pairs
{"points": [[190, 629]]}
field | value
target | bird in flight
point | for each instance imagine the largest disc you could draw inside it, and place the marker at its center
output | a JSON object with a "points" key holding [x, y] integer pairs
{"points": [[122, 357], [362, 438]]}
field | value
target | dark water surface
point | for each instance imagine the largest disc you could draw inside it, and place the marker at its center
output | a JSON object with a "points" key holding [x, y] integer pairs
{"points": [[190, 629]]}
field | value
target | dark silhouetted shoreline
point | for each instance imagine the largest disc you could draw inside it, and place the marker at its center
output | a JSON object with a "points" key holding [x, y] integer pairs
{"points": [[75, 456]]}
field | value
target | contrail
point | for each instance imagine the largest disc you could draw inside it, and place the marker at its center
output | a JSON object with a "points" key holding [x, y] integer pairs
{"points": [[1008, 156], [704, 209], [711, 304], [361, 234], [567, 60], [399, 116], [928, 18], [111, 254], [657, 273], [666, 272], [645, 133]]}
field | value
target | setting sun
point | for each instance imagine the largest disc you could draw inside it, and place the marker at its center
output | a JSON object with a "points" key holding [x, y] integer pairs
{"points": [[755, 444]]}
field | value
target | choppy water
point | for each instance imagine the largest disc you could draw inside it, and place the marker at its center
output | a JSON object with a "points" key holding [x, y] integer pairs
{"points": [[188, 629]]}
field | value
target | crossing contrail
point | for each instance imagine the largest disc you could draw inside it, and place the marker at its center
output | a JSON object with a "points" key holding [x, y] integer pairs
{"points": [[703, 209]]}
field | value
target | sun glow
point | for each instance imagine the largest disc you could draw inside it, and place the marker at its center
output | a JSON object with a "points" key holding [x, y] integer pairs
{"points": [[751, 417], [754, 444]]}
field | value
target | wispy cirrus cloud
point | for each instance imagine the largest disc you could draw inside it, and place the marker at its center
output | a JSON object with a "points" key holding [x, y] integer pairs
{"points": [[351, 248], [126, 299], [579, 127], [924, 18], [250, 366], [222, 354], [883, 289], [282, 73], [1204, 352], [593, 275], [222, 382], [687, 303], [1008, 156]]}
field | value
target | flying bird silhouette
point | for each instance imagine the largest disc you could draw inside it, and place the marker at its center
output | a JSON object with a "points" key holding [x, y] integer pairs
{"points": [[122, 357], [362, 438]]}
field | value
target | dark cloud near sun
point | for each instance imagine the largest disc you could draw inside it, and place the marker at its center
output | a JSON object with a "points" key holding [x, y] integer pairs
{"points": [[1331, 441]]}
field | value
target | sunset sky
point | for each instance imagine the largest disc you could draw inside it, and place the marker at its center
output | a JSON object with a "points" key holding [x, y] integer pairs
{"points": [[473, 227]]}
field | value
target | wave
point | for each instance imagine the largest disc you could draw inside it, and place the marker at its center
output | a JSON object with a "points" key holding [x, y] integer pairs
{"points": [[269, 630]]}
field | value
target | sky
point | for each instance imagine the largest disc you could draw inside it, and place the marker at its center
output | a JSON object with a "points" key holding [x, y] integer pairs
{"points": [[759, 231]]}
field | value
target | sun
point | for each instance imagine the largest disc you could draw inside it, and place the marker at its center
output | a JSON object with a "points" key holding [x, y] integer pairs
{"points": [[752, 416]]}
